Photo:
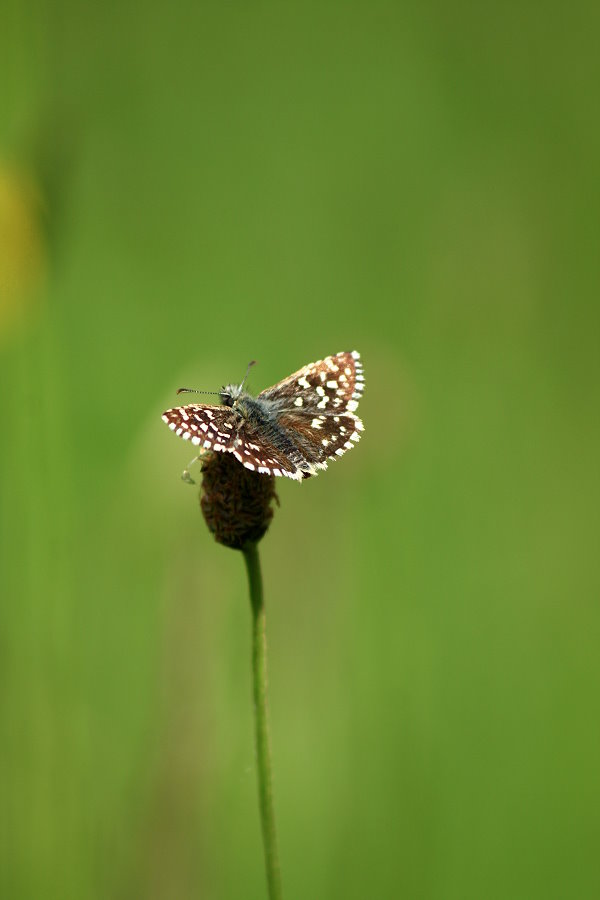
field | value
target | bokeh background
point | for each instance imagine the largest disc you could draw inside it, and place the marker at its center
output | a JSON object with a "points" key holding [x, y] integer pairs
{"points": [[186, 188]]}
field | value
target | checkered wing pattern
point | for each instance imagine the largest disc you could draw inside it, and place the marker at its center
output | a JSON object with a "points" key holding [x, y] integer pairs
{"points": [[332, 384], [293, 428], [317, 405], [218, 428]]}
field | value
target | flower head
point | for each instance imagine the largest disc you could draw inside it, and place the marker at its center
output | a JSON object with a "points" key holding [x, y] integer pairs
{"points": [[236, 503]]}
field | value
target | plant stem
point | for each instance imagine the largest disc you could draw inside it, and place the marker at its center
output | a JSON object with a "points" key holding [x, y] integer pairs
{"points": [[263, 749]]}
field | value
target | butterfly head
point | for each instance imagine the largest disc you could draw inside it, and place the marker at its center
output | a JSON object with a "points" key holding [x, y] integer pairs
{"points": [[230, 394]]}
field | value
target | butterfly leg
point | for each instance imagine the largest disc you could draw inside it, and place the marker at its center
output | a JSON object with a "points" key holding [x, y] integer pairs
{"points": [[185, 475]]}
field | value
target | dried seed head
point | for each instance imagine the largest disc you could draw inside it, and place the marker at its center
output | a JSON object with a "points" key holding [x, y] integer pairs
{"points": [[235, 503]]}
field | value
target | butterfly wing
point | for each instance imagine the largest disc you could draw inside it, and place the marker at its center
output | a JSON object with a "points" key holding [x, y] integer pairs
{"points": [[322, 437], [330, 385], [219, 428], [317, 406]]}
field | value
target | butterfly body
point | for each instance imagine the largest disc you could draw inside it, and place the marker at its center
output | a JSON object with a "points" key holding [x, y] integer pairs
{"points": [[292, 429], [248, 407]]}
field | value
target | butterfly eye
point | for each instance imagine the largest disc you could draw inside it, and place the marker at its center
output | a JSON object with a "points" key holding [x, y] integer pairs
{"points": [[229, 394]]}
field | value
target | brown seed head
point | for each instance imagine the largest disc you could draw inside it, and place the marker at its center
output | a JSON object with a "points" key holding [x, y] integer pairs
{"points": [[235, 503]]}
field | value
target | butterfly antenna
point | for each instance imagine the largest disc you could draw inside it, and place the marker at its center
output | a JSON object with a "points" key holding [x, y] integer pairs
{"points": [[194, 391], [250, 364]]}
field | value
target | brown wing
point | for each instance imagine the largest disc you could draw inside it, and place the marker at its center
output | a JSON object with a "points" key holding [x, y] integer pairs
{"points": [[334, 384], [323, 437], [219, 428]]}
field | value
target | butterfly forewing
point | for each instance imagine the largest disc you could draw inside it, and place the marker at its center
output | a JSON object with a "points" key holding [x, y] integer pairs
{"points": [[204, 426], [218, 428], [332, 384]]}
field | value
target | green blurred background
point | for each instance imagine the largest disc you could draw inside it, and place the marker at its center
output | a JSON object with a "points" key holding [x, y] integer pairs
{"points": [[186, 188]]}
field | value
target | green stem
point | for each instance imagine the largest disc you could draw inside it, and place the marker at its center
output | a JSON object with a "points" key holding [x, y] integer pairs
{"points": [[263, 749]]}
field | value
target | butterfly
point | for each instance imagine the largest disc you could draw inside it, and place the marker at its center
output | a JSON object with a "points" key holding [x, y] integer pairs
{"points": [[291, 429]]}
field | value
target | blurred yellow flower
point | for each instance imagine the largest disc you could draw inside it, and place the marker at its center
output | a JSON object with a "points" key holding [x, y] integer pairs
{"points": [[22, 247]]}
